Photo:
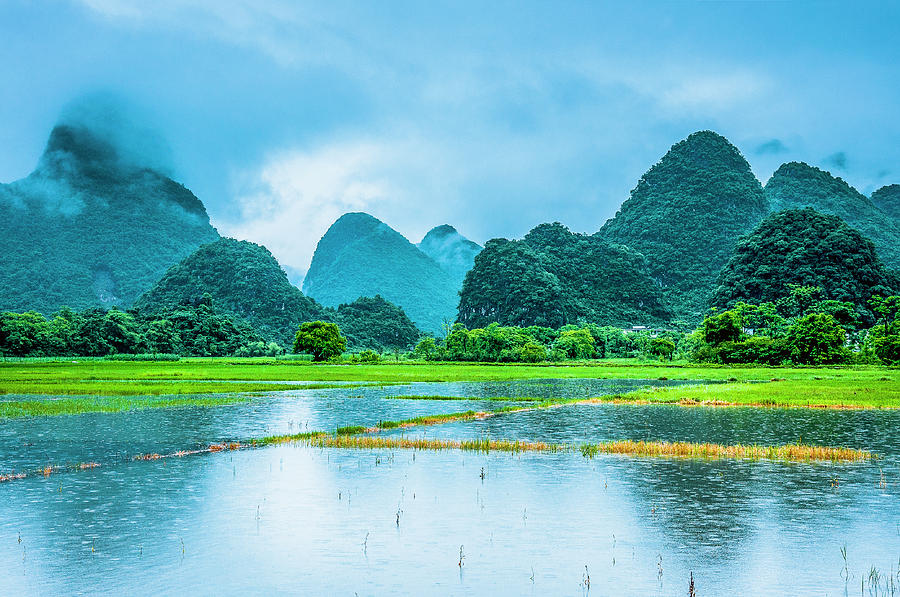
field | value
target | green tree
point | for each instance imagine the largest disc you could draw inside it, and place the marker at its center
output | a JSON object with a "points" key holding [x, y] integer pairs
{"points": [[663, 348], [817, 339], [575, 344], [426, 348], [724, 327], [321, 339]]}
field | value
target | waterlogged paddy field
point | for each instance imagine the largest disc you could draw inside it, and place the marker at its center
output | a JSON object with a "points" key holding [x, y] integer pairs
{"points": [[294, 519]]}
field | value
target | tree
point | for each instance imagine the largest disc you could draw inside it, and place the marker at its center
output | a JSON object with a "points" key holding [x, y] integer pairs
{"points": [[724, 327], [801, 258], [321, 339], [426, 348], [663, 348], [817, 339], [575, 344]]}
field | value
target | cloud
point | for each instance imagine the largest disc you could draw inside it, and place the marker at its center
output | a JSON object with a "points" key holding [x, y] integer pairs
{"points": [[291, 33], [773, 147], [290, 202], [837, 160], [714, 91]]}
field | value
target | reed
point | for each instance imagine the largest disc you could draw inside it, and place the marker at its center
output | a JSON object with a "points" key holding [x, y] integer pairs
{"points": [[371, 442], [791, 452]]}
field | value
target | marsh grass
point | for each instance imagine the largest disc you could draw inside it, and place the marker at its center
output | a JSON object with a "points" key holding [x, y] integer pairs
{"points": [[105, 404], [473, 398], [816, 393], [646, 449], [790, 452]]}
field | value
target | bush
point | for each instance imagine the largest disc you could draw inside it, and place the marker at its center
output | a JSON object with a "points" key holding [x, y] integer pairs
{"points": [[366, 356], [143, 357], [758, 349], [887, 349]]}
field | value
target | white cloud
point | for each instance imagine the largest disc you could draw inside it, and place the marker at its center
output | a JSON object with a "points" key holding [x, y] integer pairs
{"points": [[290, 202], [714, 92]]}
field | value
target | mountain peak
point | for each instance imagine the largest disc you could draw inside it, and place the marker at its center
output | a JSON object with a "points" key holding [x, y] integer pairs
{"points": [[451, 250], [702, 188]]}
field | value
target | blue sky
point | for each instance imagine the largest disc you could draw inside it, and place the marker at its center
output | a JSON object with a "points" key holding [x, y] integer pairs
{"points": [[493, 117]]}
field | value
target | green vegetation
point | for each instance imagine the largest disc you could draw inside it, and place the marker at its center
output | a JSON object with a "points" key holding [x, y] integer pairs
{"points": [[803, 247], [555, 277], [321, 339], [827, 390], [376, 324], [535, 344], [198, 330], [641, 449], [362, 256], [88, 229], [244, 281], [450, 250], [105, 404], [803, 328], [796, 185], [685, 216], [887, 199]]}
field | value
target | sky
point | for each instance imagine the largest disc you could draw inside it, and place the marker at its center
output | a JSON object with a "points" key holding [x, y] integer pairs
{"points": [[493, 117]]}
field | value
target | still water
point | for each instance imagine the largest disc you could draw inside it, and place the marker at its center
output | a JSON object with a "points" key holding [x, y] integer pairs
{"points": [[293, 520]]}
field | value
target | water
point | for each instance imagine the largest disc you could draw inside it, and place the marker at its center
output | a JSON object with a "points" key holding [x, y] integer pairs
{"points": [[287, 520]]}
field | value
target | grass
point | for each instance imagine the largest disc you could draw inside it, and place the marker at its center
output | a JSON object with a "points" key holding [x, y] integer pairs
{"points": [[487, 398], [141, 387], [792, 452], [105, 404], [860, 387], [880, 392], [262, 369]]}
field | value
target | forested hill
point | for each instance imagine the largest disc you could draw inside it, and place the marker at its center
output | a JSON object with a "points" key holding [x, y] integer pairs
{"points": [[805, 248], [555, 277], [451, 250], [361, 256], [685, 216], [887, 199], [796, 185], [243, 279], [88, 228]]}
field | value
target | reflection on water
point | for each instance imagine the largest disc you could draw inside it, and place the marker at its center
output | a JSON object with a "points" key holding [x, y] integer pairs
{"points": [[321, 521]]}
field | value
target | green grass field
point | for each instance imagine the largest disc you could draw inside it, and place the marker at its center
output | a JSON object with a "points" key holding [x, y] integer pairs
{"points": [[872, 387], [71, 406]]}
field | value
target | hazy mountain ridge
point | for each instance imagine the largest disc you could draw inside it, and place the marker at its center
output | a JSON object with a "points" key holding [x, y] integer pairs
{"points": [[887, 199], [88, 229], [245, 280], [451, 250]]}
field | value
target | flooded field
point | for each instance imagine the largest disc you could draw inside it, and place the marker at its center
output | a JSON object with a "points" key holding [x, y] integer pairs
{"points": [[293, 519]]}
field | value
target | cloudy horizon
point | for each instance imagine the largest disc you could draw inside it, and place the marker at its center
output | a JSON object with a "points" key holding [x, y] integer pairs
{"points": [[282, 116]]}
